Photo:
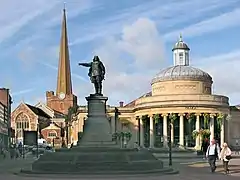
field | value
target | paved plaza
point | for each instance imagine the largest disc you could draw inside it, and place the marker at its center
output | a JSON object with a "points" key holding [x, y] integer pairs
{"points": [[193, 170]]}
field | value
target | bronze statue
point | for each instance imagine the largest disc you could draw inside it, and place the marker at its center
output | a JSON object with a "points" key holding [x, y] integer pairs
{"points": [[96, 73]]}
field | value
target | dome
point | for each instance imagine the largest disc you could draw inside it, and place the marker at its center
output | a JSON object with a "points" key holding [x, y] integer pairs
{"points": [[180, 45], [182, 73]]}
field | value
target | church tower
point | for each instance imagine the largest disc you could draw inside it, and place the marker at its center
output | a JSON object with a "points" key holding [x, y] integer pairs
{"points": [[181, 53], [63, 99]]}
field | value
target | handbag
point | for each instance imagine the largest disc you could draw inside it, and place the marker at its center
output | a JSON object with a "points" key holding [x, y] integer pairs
{"points": [[229, 157]]}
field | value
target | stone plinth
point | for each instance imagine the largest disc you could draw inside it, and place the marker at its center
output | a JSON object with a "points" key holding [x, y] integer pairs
{"points": [[97, 128], [96, 105], [87, 160]]}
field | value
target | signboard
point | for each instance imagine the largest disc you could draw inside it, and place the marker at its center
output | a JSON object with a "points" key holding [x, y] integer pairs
{"points": [[30, 138], [3, 128]]}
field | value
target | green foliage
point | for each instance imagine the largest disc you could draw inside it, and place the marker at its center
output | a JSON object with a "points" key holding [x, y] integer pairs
{"points": [[206, 119], [121, 135], [156, 118], [190, 117], [173, 117], [71, 112], [205, 133], [220, 119], [195, 134]]}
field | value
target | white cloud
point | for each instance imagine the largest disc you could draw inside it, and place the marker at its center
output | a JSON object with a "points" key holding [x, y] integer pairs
{"points": [[128, 59], [167, 15], [16, 14], [217, 23], [224, 68], [129, 77]]}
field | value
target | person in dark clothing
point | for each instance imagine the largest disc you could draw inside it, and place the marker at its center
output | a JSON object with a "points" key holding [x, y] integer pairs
{"points": [[212, 154], [204, 147]]}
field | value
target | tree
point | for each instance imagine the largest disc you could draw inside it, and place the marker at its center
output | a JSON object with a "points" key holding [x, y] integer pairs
{"points": [[69, 118]]}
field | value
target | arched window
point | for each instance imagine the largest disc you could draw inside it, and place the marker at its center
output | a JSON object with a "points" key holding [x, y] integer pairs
{"points": [[22, 123]]}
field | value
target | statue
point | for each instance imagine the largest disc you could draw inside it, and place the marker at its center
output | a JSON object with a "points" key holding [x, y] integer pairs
{"points": [[96, 73]]}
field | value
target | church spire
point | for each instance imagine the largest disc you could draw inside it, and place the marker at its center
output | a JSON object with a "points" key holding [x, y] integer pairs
{"points": [[64, 82]]}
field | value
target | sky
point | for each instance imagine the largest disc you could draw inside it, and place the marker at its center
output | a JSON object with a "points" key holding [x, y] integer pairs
{"points": [[134, 39]]}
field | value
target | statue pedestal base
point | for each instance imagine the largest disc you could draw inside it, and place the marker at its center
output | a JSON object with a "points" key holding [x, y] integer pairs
{"points": [[96, 105], [97, 131]]}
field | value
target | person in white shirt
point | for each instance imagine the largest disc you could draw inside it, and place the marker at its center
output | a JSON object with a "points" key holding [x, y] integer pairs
{"points": [[212, 154], [225, 156]]}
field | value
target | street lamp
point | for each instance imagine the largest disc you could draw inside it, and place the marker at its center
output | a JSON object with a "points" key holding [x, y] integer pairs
{"points": [[23, 153], [170, 145], [37, 139]]}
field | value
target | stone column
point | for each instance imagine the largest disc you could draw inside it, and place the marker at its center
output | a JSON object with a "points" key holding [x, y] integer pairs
{"points": [[151, 132], [181, 130], [165, 130], [222, 134], [141, 133], [197, 128], [212, 126]]}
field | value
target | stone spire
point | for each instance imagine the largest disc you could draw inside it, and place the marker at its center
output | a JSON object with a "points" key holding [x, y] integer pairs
{"points": [[64, 82]]}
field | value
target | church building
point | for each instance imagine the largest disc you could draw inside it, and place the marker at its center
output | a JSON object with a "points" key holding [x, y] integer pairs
{"points": [[55, 111]]}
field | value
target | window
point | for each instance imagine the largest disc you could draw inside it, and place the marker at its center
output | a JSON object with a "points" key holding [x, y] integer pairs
{"points": [[180, 58], [52, 134], [22, 123], [187, 57]]}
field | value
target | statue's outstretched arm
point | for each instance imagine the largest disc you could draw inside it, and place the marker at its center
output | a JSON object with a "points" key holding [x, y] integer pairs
{"points": [[85, 64]]}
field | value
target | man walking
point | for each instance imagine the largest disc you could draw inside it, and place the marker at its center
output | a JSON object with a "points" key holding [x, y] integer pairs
{"points": [[212, 154]]}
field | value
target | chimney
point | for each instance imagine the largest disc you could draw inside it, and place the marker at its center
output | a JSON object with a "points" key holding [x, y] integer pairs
{"points": [[121, 103]]}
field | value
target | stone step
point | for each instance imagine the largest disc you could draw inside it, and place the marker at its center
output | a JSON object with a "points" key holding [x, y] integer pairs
{"points": [[95, 166], [82, 174], [114, 156], [96, 149]]}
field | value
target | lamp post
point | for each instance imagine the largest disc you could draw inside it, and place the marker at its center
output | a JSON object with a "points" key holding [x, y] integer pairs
{"points": [[170, 145], [23, 153], [116, 112], [37, 139]]}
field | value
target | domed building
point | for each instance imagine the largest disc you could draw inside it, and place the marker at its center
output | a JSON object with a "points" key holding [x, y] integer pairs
{"points": [[180, 105]]}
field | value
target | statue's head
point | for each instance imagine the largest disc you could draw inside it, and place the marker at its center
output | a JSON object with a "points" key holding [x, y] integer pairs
{"points": [[96, 58]]}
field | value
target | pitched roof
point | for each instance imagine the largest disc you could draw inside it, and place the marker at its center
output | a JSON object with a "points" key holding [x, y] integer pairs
{"points": [[38, 111], [53, 126]]}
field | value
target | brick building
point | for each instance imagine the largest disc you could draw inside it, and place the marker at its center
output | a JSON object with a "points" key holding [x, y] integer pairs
{"points": [[5, 115], [28, 118], [52, 134]]}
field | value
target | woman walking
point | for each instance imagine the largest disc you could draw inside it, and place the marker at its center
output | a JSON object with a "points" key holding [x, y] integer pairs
{"points": [[225, 156]]}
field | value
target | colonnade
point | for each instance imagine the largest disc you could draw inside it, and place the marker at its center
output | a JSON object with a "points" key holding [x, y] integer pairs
{"points": [[181, 118]]}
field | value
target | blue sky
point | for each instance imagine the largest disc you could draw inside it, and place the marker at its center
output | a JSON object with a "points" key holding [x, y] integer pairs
{"points": [[133, 39]]}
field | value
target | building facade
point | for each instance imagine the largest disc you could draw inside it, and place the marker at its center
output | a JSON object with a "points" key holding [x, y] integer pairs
{"points": [[180, 104], [5, 121], [52, 135], [3, 125], [28, 118]]}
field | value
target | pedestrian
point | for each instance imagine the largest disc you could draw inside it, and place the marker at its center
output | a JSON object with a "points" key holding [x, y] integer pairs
{"points": [[204, 147], [212, 154], [225, 156]]}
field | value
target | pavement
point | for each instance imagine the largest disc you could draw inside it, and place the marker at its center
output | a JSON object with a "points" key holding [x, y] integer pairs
{"points": [[190, 169]]}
